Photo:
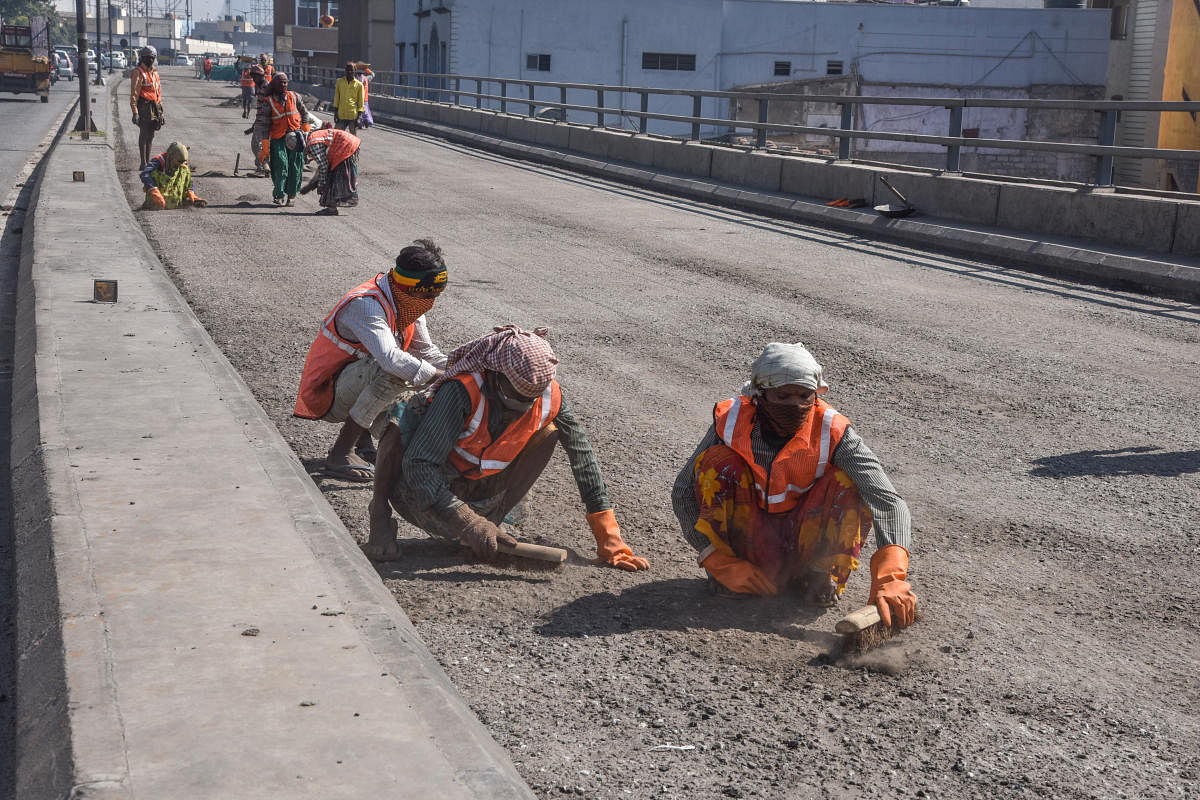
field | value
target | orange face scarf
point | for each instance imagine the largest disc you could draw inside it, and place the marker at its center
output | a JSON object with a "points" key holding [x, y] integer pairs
{"points": [[408, 308]]}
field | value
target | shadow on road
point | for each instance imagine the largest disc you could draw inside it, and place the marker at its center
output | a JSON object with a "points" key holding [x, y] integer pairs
{"points": [[1124, 461], [682, 604]]}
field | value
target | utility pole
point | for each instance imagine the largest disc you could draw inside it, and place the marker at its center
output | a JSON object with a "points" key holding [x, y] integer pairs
{"points": [[110, 53], [99, 77], [85, 109]]}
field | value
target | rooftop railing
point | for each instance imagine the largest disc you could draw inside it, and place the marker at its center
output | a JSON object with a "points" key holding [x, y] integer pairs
{"points": [[519, 95]]}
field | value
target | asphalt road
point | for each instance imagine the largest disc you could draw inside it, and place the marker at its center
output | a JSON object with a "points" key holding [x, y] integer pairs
{"points": [[25, 121], [1043, 433]]}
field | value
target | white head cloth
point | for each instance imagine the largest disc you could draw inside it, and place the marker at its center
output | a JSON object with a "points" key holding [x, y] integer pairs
{"points": [[781, 364]]}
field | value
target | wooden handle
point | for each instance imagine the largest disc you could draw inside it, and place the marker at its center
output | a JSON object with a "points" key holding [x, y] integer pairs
{"points": [[894, 190], [537, 552], [857, 621]]}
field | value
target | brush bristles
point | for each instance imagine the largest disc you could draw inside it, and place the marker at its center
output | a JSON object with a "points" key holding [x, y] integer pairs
{"points": [[866, 639]]}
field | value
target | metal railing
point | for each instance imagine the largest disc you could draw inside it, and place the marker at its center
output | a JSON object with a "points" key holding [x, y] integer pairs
{"points": [[449, 88]]}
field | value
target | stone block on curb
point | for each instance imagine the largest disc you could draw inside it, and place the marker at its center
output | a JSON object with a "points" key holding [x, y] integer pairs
{"points": [[685, 158], [1187, 229], [748, 168], [1095, 216], [589, 141], [632, 149], [826, 180]]}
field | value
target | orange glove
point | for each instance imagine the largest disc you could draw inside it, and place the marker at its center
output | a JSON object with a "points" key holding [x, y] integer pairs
{"points": [[155, 199], [195, 200], [304, 126], [890, 593], [738, 574], [264, 151], [610, 547]]}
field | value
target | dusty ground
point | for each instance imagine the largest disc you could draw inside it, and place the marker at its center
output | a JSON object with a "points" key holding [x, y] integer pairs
{"points": [[1044, 434]]}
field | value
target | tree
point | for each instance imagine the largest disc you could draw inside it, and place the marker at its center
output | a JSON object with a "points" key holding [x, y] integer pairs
{"points": [[19, 12]]}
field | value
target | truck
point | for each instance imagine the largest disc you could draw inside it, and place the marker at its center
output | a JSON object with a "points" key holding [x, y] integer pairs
{"points": [[20, 69]]}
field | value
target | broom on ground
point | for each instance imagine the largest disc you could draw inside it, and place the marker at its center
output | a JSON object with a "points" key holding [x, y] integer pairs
{"points": [[862, 630]]}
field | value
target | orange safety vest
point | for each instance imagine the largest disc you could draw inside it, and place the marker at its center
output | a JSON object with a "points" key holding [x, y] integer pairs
{"points": [[798, 465], [247, 80], [285, 118], [475, 455], [269, 70], [150, 89], [330, 353], [340, 145]]}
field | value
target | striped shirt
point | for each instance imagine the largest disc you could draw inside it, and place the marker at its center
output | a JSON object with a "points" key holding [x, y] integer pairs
{"points": [[427, 469], [892, 521], [320, 154]]}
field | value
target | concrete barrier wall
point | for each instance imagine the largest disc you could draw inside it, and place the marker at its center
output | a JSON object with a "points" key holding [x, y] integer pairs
{"points": [[1136, 221]]}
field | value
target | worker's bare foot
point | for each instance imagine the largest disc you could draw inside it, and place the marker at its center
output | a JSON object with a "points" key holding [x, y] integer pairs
{"points": [[382, 544], [819, 591]]}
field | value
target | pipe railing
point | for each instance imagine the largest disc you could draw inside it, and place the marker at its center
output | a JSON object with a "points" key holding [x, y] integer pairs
{"points": [[435, 86]]}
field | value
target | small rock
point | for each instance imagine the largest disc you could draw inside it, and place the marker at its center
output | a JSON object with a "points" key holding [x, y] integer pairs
{"points": [[307, 703], [251, 632], [731, 791]]}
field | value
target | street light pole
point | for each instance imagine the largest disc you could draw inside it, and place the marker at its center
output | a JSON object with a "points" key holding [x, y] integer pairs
{"points": [[110, 53], [99, 77], [85, 109]]}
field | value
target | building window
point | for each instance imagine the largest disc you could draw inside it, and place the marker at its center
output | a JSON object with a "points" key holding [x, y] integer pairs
{"points": [[833, 68], [538, 62], [783, 68], [308, 13], [679, 61]]}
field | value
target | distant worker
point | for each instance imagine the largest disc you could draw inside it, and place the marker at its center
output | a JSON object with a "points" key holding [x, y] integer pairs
{"points": [[145, 97], [348, 100], [781, 492], [267, 65], [464, 454], [285, 112], [365, 120], [247, 84], [207, 68], [336, 156], [259, 131], [167, 180], [373, 347]]}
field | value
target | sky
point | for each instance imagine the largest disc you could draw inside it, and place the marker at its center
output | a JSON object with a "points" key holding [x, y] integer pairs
{"points": [[201, 9]]}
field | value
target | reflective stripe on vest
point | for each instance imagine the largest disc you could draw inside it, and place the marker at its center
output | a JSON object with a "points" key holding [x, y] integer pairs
{"points": [[330, 353], [150, 89], [247, 79], [470, 454], [284, 119], [798, 466]]}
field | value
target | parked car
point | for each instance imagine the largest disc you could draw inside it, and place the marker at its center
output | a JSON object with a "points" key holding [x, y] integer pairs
{"points": [[181, 60], [66, 69]]}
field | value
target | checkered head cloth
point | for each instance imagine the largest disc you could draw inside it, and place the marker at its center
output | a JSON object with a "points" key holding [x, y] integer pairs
{"points": [[524, 357]]}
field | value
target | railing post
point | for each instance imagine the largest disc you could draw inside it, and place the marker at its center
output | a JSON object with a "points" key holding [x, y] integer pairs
{"points": [[503, 97], [562, 98], [1108, 137], [457, 88], [696, 111], [600, 106], [478, 91], [645, 108], [531, 103], [953, 152], [847, 125], [760, 138]]}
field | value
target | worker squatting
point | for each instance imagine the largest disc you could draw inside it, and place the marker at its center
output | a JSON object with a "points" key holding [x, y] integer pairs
{"points": [[779, 495]]}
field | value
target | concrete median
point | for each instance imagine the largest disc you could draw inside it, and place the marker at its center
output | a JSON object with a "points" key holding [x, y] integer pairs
{"points": [[194, 620]]}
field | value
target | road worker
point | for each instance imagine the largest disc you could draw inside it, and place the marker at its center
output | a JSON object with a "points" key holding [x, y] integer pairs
{"points": [[247, 83], [374, 347], [145, 98], [208, 65], [461, 455], [335, 153], [782, 491], [260, 130], [167, 180], [285, 112], [348, 100]]}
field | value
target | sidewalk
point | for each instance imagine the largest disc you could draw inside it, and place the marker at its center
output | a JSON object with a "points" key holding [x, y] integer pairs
{"points": [[223, 636]]}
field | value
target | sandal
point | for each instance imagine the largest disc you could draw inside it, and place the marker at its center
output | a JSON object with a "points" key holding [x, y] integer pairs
{"points": [[348, 472], [367, 454]]}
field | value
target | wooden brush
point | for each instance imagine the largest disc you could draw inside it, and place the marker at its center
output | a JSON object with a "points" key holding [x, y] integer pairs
{"points": [[537, 552], [862, 630]]}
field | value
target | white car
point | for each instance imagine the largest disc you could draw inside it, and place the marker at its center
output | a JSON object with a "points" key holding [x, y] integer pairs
{"points": [[181, 60]]}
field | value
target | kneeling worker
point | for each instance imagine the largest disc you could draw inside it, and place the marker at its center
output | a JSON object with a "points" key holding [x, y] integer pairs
{"points": [[373, 347], [782, 490], [167, 180], [456, 464]]}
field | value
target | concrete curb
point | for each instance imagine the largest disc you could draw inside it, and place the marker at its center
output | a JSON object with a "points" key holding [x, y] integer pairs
{"points": [[74, 726], [1080, 261]]}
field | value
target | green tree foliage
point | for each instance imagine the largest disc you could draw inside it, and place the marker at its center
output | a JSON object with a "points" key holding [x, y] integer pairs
{"points": [[19, 12]]}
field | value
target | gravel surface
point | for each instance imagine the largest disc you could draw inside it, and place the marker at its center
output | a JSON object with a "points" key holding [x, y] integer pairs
{"points": [[1043, 433]]}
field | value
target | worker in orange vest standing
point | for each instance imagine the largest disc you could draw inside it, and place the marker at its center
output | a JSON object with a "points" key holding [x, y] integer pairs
{"points": [[286, 113], [145, 98], [373, 348], [247, 82], [335, 153], [207, 68]]}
